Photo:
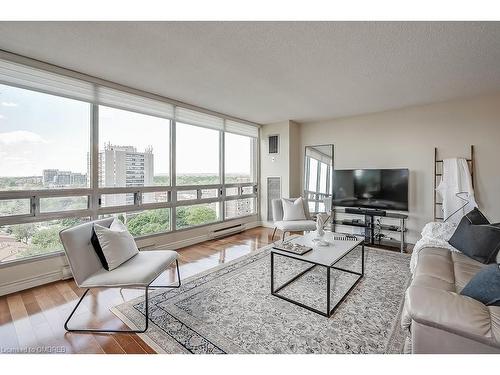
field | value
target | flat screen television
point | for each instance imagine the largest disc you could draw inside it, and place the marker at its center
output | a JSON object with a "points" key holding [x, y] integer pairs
{"points": [[383, 189]]}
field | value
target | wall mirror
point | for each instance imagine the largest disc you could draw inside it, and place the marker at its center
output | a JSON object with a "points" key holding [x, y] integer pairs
{"points": [[318, 166]]}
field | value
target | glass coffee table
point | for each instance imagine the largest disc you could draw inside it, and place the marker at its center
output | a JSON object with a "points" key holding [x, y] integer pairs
{"points": [[327, 257]]}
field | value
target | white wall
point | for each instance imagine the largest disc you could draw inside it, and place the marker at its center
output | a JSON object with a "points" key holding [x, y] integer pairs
{"points": [[284, 165], [406, 138]]}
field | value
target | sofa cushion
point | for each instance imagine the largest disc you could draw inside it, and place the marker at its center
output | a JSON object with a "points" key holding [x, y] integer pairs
{"points": [[464, 269], [485, 286], [476, 238], [435, 264], [443, 269]]}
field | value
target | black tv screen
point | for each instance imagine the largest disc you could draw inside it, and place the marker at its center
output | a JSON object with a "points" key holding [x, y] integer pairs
{"points": [[384, 189]]}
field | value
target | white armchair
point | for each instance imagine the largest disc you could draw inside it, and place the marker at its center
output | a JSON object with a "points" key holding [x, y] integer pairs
{"points": [[138, 272], [291, 225]]}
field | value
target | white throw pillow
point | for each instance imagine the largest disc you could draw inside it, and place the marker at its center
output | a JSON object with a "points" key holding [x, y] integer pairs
{"points": [[117, 244], [293, 210]]}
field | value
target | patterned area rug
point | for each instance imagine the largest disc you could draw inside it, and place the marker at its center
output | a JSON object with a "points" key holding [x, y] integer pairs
{"points": [[229, 309]]}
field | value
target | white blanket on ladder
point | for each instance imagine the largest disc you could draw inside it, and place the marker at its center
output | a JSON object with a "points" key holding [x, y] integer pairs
{"points": [[456, 190], [434, 234]]}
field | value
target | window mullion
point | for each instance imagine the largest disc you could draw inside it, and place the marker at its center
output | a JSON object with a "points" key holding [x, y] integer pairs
{"points": [[173, 174], [94, 160], [222, 173]]}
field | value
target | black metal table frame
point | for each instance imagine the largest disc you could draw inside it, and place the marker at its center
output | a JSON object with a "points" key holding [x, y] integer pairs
{"points": [[329, 312]]}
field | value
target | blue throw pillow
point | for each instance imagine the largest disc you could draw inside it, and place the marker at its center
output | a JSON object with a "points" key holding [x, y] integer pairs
{"points": [[485, 286]]}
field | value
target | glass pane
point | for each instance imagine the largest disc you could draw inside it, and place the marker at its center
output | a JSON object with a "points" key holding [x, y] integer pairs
{"points": [[312, 206], [239, 207], [25, 240], [240, 158], [232, 191], [186, 195], [114, 200], [247, 190], [155, 197], [322, 177], [199, 214], [197, 155], [63, 204], [145, 222], [134, 149], [44, 140], [209, 193], [10, 207], [313, 174]]}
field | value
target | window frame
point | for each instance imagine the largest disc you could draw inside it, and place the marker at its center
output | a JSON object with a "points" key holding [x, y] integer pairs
{"points": [[94, 192]]}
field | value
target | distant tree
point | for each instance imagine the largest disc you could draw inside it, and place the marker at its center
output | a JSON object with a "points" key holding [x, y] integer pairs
{"points": [[71, 222], [153, 221], [47, 238], [200, 215], [181, 217], [23, 232]]}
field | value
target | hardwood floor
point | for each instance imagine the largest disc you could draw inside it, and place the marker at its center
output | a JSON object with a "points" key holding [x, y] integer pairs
{"points": [[32, 320]]}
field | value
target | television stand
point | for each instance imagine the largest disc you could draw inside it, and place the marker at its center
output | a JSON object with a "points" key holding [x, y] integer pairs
{"points": [[370, 226]]}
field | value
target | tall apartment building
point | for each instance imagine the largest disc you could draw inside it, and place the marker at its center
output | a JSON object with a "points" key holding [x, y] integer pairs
{"points": [[124, 166]]}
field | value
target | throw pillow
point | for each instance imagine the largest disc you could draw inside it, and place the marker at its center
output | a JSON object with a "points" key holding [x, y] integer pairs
{"points": [[485, 286], [476, 238], [293, 209], [97, 247], [116, 242]]}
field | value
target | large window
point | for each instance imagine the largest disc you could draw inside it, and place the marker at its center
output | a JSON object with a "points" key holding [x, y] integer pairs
{"points": [[134, 149], [44, 141], [197, 155], [56, 132]]}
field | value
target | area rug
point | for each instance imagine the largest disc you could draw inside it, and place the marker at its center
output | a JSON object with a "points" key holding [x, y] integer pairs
{"points": [[229, 309]]}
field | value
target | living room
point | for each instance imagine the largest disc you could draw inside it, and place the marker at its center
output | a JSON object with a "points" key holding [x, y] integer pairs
{"points": [[235, 186]]}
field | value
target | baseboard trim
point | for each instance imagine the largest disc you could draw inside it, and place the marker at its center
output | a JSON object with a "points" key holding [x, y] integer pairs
{"points": [[194, 240], [37, 280]]}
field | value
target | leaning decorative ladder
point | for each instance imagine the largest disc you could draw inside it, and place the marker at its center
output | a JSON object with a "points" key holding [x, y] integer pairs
{"points": [[438, 175]]}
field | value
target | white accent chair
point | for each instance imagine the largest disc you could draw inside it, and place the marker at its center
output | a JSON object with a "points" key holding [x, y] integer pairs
{"points": [[138, 272], [293, 225]]}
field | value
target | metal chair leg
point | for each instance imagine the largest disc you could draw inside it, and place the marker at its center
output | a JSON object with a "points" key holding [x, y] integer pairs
{"points": [[283, 236], [146, 315]]}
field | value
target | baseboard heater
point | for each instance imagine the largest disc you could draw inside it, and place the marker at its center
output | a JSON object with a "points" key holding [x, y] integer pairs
{"points": [[227, 231]]}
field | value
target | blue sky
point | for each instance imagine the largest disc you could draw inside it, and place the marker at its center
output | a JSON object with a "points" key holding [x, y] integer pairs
{"points": [[40, 131]]}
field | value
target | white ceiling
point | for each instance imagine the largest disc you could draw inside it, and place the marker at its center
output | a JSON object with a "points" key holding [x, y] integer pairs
{"points": [[272, 71]]}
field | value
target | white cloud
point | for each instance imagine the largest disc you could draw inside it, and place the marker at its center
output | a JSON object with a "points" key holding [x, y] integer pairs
{"points": [[9, 104], [20, 136]]}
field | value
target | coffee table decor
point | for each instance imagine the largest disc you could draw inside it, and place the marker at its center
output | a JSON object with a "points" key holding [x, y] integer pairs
{"points": [[291, 247]]}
